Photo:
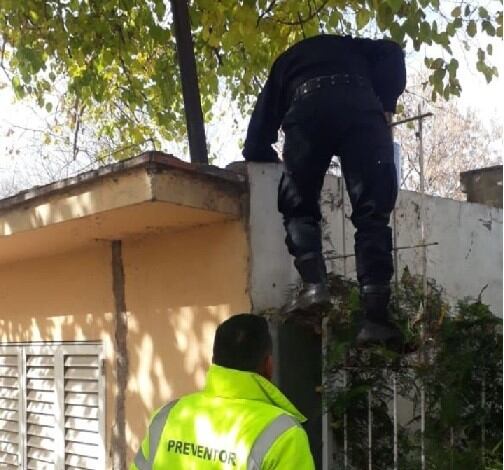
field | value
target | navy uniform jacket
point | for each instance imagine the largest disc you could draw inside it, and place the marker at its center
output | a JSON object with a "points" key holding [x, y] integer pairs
{"points": [[381, 61]]}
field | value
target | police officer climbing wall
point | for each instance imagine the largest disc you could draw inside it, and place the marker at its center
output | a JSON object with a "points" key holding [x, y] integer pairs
{"points": [[335, 95]]}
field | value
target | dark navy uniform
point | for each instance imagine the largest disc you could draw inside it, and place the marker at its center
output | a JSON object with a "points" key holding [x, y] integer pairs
{"points": [[329, 94]]}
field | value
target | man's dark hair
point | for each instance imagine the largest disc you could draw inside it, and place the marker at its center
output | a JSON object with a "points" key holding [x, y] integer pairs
{"points": [[242, 342]]}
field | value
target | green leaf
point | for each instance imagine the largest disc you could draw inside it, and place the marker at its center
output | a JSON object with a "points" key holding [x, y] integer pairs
{"points": [[411, 28], [483, 12], [447, 92], [160, 9], [488, 27], [362, 18], [425, 32], [33, 15], [457, 11], [385, 16], [395, 5], [397, 33], [453, 66], [18, 88], [471, 28]]}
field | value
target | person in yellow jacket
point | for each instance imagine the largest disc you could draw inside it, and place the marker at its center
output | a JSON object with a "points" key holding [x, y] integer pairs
{"points": [[239, 421]]}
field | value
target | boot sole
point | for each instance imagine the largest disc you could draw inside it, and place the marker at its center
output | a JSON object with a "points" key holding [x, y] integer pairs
{"points": [[393, 343], [312, 309]]}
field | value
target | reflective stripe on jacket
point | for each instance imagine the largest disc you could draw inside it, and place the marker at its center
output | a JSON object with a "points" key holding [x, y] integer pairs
{"points": [[239, 421]]}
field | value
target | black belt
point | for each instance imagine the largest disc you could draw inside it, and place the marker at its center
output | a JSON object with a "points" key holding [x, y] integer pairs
{"points": [[330, 80]]}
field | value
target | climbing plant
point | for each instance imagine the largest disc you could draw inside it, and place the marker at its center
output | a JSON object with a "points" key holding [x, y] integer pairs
{"points": [[452, 367]]}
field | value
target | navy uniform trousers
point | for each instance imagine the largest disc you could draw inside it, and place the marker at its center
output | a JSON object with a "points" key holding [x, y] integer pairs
{"points": [[346, 120]]}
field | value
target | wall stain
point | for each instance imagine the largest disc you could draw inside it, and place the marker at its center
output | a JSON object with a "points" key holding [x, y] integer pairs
{"points": [[470, 246], [486, 223]]}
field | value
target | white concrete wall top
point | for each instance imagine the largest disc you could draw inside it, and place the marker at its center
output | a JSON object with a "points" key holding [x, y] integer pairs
{"points": [[271, 270], [464, 251]]}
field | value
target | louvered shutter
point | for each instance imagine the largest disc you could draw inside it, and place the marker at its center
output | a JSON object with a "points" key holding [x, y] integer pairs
{"points": [[41, 408], [84, 415], [52, 414], [11, 437]]}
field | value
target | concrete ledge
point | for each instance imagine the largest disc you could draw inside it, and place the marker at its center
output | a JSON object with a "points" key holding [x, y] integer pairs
{"points": [[77, 201], [149, 160], [147, 193]]}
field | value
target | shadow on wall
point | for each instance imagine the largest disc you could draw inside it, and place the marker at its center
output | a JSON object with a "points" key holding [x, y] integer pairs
{"points": [[168, 362], [179, 287]]}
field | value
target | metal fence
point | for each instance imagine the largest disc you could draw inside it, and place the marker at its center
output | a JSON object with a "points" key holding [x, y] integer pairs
{"points": [[349, 453]]}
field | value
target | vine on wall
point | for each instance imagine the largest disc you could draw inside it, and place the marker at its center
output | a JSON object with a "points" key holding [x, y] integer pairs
{"points": [[453, 355]]}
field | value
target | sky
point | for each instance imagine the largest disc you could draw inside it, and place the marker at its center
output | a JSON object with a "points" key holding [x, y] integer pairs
{"points": [[19, 171]]}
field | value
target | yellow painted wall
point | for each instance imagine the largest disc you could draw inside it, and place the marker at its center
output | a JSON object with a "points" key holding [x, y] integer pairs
{"points": [[64, 297], [179, 286], [67, 297]]}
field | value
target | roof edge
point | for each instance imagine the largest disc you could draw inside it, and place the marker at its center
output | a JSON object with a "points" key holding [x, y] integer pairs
{"points": [[152, 160]]}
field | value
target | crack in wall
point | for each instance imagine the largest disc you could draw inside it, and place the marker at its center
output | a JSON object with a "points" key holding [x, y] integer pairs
{"points": [[118, 447]]}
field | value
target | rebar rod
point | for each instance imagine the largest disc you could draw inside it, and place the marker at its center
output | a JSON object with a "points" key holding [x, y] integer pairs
{"points": [[370, 430], [345, 427], [422, 427], [483, 427], [326, 424], [394, 379]]}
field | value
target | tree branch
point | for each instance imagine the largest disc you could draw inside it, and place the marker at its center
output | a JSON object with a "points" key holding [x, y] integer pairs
{"points": [[75, 149], [268, 10], [218, 55], [2, 57], [301, 24], [301, 20]]}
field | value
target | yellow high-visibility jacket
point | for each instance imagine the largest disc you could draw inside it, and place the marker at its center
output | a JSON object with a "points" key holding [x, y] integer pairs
{"points": [[239, 421]]}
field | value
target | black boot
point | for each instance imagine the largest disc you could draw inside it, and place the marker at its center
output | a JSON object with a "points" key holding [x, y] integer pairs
{"points": [[376, 327], [314, 295]]}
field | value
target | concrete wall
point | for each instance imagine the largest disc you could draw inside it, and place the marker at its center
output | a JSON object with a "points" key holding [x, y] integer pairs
{"points": [[179, 285], [467, 255]]}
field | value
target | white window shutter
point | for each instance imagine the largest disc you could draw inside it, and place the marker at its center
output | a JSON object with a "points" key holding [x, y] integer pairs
{"points": [[11, 432], [52, 407], [40, 408], [84, 414]]}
